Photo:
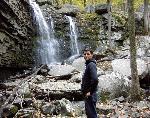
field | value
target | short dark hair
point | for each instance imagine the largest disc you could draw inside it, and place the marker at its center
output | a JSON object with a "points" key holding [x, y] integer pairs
{"points": [[88, 49]]}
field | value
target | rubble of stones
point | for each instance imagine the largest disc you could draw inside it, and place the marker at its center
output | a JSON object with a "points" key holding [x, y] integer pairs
{"points": [[48, 94], [54, 91]]}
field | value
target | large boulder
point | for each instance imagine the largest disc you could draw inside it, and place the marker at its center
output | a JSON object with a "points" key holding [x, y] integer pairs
{"points": [[58, 90], [43, 2], [63, 107], [123, 66], [114, 83], [79, 64], [90, 9], [143, 46], [101, 9], [70, 10], [61, 70]]}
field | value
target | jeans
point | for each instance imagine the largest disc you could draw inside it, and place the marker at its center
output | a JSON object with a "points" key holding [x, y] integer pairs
{"points": [[90, 106]]}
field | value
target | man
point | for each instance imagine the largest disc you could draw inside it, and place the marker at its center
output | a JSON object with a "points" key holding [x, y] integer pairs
{"points": [[89, 84]]}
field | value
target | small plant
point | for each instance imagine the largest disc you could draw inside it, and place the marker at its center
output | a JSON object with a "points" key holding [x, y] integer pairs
{"points": [[103, 96]]}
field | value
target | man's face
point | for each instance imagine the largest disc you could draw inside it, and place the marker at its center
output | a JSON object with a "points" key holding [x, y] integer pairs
{"points": [[87, 55]]}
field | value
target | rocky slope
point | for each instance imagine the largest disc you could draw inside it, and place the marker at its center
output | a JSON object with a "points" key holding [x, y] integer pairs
{"points": [[15, 34]]}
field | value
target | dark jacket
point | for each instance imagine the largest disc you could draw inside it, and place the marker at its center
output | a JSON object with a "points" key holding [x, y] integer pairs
{"points": [[89, 79]]}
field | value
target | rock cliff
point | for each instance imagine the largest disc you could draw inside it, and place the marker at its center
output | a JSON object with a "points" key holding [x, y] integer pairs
{"points": [[16, 31]]}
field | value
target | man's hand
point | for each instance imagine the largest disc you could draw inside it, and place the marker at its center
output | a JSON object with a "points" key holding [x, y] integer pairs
{"points": [[88, 94]]}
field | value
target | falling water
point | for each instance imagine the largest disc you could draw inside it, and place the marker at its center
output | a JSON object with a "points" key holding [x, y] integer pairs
{"points": [[46, 50], [73, 37]]}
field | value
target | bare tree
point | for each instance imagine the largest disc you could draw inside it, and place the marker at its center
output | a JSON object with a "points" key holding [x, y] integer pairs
{"points": [[109, 22], [146, 16], [135, 86], [84, 2]]}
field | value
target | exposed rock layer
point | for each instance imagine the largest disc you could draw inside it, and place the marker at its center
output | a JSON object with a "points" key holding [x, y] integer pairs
{"points": [[16, 31]]}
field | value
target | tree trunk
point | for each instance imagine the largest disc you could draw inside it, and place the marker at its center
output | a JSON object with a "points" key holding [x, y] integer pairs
{"points": [[64, 1], [146, 16], [84, 3], [71, 2], [92, 2], [109, 22], [57, 2], [125, 6], [135, 86]]}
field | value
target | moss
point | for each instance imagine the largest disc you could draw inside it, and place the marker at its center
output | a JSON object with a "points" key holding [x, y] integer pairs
{"points": [[59, 34], [27, 95], [104, 96], [14, 109], [121, 19], [89, 16], [90, 26]]}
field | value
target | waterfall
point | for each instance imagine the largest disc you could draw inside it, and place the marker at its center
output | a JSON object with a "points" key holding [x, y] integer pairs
{"points": [[73, 36], [46, 50]]}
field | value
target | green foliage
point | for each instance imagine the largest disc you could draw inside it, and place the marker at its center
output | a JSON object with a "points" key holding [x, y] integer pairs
{"points": [[116, 3], [121, 19], [138, 3], [103, 96], [14, 109], [90, 16], [27, 95]]}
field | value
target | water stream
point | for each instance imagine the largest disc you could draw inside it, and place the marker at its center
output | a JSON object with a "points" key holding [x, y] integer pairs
{"points": [[73, 36], [46, 44]]}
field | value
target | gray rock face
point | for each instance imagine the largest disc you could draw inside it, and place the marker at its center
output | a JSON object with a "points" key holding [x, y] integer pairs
{"points": [[123, 66], [43, 2], [79, 64], [90, 9], [114, 83], [68, 9], [60, 70], [101, 9], [63, 107], [15, 32]]}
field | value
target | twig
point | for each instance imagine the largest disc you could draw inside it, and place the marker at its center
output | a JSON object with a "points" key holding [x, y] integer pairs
{"points": [[16, 88]]}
